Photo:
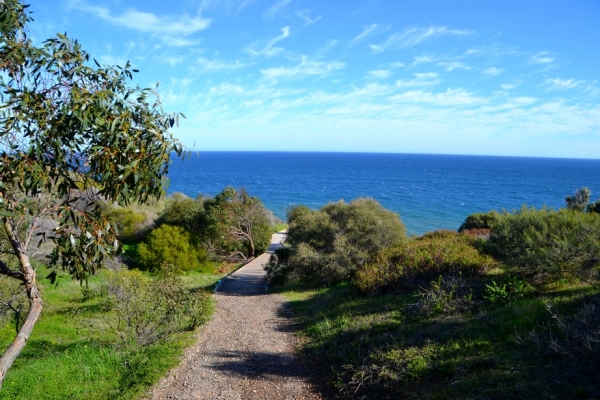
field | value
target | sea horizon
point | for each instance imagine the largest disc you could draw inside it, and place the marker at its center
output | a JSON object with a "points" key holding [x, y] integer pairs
{"points": [[428, 191]]}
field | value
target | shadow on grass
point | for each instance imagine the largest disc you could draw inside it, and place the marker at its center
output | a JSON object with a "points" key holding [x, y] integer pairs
{"points": [[375, 348]]}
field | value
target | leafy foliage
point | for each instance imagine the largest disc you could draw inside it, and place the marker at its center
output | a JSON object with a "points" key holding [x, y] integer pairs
{"points": [[231, 223], [328, 245], [145, 311], [547, 244], [511, 289], [480, 221], [185, 212], [70, 135], [414, 264], [579, 201], [172, 245], [128, 222]]}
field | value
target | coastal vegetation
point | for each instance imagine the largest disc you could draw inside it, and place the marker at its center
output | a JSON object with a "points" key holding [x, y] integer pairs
{"points": [[82, 163], [71, 134], [506, 308]]}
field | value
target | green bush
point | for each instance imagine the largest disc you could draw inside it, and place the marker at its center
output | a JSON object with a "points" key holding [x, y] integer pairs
{"points": [[480, 221], [547, 244], [511, 289], [184, 212], [130, 224], [328, 245], [145, 311], [416, 263], [175, 246]]}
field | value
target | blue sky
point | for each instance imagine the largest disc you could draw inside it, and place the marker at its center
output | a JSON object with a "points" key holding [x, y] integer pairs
{"points": [[495, 77]]}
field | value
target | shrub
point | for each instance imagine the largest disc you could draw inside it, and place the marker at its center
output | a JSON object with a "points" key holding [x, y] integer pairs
{"points": [[184, 212], [438, 234], [480, 221], [130, 224], [511, 289], [416, 263], [172, 245], [547, 244], [146, 311], [446, 295], [328, 245]]}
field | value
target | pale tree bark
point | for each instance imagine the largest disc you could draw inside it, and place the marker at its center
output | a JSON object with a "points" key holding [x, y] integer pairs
{"points": [[26, 274]]}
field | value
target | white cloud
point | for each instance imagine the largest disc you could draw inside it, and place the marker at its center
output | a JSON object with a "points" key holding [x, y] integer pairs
{"points": [[207, 65], [164, 26], [173, 60], [395, 65], [543, 57], [420, 60], [325, 49], [451, 66], [268, 49], [415, 35], [275, 9], [379, 73], [507, 86], [561, 84], [306, 67], [369, 31], [451, 97], [421, 79], [304, 16], [492, 71]]}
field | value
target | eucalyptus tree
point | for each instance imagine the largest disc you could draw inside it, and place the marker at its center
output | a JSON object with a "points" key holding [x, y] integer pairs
{"points": [[71, 131]]}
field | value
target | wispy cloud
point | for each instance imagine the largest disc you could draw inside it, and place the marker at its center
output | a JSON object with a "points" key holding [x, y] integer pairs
{"points": [[415, 35], [306, 67], [227, 5], [420, 79], [304, 15], [451, 97], [268, 49], [561, 84], [379, 73], [205, 65], [369, 31], [420, 60], [451, 66], [543, 57], [164, 27], [492, 71], [325, 49], [275, 9]]}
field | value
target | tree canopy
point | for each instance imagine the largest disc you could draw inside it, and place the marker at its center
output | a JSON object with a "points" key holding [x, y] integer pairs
{"points": [[71, 132]]}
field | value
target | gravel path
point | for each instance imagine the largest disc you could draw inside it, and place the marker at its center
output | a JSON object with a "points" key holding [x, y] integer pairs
{"points": [[246, 351]]}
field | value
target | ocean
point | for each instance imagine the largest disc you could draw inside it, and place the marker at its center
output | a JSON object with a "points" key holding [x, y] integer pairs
{"points": [[428, 191]]}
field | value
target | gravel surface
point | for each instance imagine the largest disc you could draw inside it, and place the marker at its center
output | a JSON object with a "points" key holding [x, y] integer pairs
{"points": [[246, 351]]}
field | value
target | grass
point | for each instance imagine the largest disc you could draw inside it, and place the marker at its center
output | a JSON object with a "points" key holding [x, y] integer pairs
{"points": [[387, 347], [70, 356]]}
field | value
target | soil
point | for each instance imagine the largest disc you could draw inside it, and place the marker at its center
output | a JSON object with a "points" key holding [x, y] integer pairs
{"points": [[247, 351]]}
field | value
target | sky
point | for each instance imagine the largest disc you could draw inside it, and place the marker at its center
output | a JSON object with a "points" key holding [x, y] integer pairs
{"points": [[494, 77]]}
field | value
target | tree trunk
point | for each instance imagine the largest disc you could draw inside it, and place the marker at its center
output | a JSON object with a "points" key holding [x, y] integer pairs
{"points": [[35, 301]]}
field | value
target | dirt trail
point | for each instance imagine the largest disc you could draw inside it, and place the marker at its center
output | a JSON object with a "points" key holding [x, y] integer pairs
{"points": [[246, 351]]}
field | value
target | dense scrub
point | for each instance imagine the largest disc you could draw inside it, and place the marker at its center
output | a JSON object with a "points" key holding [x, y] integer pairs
{"points": [[233, 223], [547, 245], [415, 263], [329, 245], [509, 308]]}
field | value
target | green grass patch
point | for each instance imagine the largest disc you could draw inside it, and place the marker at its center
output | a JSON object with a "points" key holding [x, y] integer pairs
{"points": [[72, 354], [388, 347]]}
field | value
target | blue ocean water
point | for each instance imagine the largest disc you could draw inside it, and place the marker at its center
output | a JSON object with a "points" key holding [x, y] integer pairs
{"points": [[428, 191]]}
